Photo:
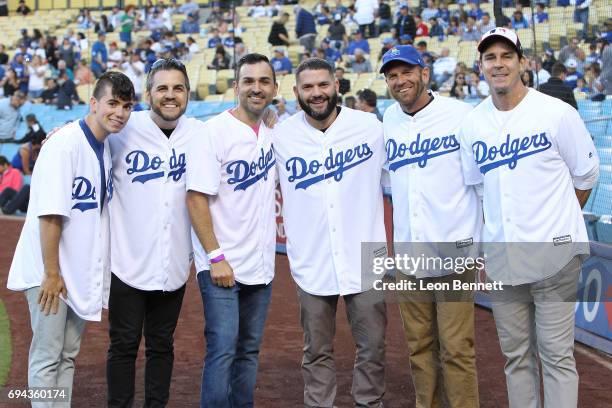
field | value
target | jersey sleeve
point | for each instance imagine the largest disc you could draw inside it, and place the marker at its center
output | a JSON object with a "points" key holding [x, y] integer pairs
{"points": [[204, 160], [53, 177], [471, 172], [575, 145]]}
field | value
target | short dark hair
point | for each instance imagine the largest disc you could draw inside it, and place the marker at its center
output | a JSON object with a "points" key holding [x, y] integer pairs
{"points": [[252, 59], [3, 161], [166, 64], [30, 117], [340, 69], [313, 64], [558, 69], [121, 86], [368, 96]]}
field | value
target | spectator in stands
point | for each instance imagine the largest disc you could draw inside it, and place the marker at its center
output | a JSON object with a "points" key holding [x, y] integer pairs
{"points": [[336, 32], [10, 178], [239, 51], [22, 8], [475, 11], [344, 84], [331, 51], [281, 108], [325, 17], [406, 39], [278, 32], [454, 28], [134, 69], [35, 130], [83, 74], [581, 15], [421, 46], [357, 42], [444, 66], [596, 87], [460, 89], [190, 25], [49, 95], [27, 154], [3, 8], [21, 71], [569, 51], [115, 56], [385, 21], [126, 23], [103, 25], [519, 21], [435, 29], [387, 44], [280, 63], [366, 101], [36, 74], [115, 17], [215, 39], [405, 23], [606, 67], [10, 83], [542, 75], [61, 66], [67, 52], [10, 115], [84, 20], [338, 8], [155, 22], [221, 59], [365, 16], [359, 63], [421, 28], [305, 29], [66, 93], [216, 15], [556, 86], [350, 102], [594, 55], [470, 32], [572, 74], [274, 9], [430, 11], [4, 58], [99, 55], [444, 13], [189, 7], [548, 60], [581, 60], [528, 78], [485, 24], [541, 16], [258, 10], [192, 46]]}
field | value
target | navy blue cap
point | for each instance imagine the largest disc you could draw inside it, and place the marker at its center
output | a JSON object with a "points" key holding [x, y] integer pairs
{"points": [[403, 53]]}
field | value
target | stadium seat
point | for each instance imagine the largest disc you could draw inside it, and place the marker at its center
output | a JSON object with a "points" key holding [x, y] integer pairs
{"points": [[605, 155], [604, 229], [603, 141], [602, 204], [596, 127], [605, 173]]}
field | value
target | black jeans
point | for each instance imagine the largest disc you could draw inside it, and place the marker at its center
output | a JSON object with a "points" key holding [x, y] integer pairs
{"points": [[11, 200], [130, 311]]}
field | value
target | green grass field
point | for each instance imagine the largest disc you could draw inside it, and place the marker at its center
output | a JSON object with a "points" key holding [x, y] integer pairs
{"points": [[5, 345]]}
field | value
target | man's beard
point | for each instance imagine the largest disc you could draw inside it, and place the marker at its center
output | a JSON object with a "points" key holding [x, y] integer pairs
{"points": [[157, 109], [332, 101]]}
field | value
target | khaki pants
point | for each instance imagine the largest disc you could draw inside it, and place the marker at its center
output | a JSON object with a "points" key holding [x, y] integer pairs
{"points": [[440, 337]]}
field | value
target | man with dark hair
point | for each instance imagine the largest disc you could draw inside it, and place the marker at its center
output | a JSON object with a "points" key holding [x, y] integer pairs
{"points": [[405, 23], [556, 86], [325, 256], [366, 101], [10, 115], [150, 236], [231, 181], [344, 85], [61, 259]]}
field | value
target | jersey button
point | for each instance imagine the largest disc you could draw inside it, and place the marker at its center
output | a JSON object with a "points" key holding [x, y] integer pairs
{"points": [[331, 206]]}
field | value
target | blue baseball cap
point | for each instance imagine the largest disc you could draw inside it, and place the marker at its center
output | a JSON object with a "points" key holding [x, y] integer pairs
{"points": [[404, 53]]}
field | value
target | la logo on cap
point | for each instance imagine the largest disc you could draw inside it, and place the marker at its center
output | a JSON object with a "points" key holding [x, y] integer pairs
{"points": [[394, 51]]}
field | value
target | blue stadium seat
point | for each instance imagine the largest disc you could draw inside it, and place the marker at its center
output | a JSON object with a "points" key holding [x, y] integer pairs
{"points": [[605, 155], [602, 203], [597, 128], [604, 229], [605, 173], [606, 107], [588, 108], [603, 141], [588, 207]]}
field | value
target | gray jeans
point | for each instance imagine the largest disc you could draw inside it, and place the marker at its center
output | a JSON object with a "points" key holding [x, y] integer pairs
{"points": [[367, 316], [56, 339], [544, 328]]}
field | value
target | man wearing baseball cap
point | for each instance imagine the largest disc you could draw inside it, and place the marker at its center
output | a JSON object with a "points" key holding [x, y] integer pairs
{"points": [[433, 209], [537, 163]]}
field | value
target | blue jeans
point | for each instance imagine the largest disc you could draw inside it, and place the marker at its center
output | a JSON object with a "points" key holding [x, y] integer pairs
{"points": [[582, 16], [234, 322]]}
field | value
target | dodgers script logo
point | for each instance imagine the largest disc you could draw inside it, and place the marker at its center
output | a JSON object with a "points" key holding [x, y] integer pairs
{"points": [[246, 174], [83, 191], [110, 188], [335, 165], [420, 150], [509, 152], [140, 162]]}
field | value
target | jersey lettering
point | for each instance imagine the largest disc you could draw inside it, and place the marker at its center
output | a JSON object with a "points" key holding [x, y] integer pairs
{"points": [[420, 150], [82, 191], [140, 162], [246, 174], [335, 165], [509, 152]]}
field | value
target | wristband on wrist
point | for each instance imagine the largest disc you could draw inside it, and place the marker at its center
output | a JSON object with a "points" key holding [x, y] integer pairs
{"points": [[215, 253], [217, 259]]}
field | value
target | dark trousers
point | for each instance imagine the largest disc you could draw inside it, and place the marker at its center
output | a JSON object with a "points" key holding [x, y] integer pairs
{"points": [[130, 311], [12, 200]]}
